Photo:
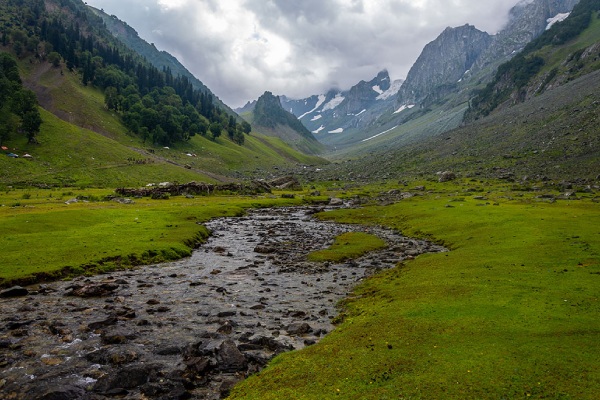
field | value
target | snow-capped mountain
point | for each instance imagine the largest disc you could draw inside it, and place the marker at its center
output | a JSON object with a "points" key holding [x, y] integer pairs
{"points": [[338, 112]]}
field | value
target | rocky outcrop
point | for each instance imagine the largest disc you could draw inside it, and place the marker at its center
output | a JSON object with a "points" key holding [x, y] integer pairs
{"points": [[442, 64], [194, 188], [527, 20]]}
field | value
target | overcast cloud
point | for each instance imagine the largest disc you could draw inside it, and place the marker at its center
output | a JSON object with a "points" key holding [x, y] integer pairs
{"points": [[241, 48]]}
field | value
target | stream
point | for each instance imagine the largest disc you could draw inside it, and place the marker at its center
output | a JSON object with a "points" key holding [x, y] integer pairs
{"points": [[191, 328]]}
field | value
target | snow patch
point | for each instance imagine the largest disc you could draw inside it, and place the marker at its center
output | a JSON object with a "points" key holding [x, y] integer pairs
{"points": [[377, 89], [379, 134], [316, 118], [320, 101], [392, 91], [319, 130], [404, 107], [558, 18], [339, 130], [356, 115], [333, 103]]}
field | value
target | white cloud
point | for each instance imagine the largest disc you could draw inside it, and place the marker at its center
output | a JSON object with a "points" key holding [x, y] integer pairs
{"points": [[240, 48]]}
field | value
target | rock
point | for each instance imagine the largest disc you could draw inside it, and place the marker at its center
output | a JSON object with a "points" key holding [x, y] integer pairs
{"points": [[198, 365], [15, 291], [264, 249], [60, 392], [229, 358], [298, 328], [225, 314], [168, 389], [122, 200], [117, 336], [447, 176], [169, 350], [127, 378], [288, 182], [263, 342], [93, 290], [336, 202], [112, 320]]}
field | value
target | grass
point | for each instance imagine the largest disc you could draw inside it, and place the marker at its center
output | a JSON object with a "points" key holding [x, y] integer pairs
{"points": [[512, 311], [42, 237], [89, 147], [348, 246]]}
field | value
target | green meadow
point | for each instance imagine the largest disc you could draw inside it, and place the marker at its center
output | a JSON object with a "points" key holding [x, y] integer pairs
{"points": [[45, 238], [348, 246], [511, 311]]}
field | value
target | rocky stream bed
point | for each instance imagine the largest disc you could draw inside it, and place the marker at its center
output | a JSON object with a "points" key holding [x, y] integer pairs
{"points": [[188, 329]]}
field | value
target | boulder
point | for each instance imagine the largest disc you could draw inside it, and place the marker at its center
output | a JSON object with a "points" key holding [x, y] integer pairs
{"points": [[288, 182], [60, 392], [128, 377], [15, 291], [93, 289], [447, 176], [298, 328], [336, 202], [229, 358]]}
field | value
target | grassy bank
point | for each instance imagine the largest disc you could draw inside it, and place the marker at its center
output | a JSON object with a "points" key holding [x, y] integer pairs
{"points": [[512, 311], [42, 236], [348, 246]]}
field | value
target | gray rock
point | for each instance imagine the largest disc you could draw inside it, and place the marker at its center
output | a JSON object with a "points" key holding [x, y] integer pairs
{"points": [[15, 291], [229, 358], [127, 378], [298, 328], [447, 176], [61, 392]]}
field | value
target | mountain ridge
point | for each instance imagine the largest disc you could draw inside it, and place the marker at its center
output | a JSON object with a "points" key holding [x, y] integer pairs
{"points": [[269, 116]]}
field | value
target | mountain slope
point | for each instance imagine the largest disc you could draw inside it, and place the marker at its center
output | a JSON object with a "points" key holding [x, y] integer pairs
{"points": [[341, 116], [160, 59], [569, 49], [553, 136], [443, 64], [269, 117], [91, 146], [438, 87]]}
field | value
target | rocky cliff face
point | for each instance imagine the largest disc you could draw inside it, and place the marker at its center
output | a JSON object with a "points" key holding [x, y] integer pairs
{"points": [[465, 55], [443, 63], [528, 19]]}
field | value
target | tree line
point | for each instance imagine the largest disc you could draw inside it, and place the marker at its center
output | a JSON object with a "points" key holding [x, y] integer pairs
{"points": [[18, 106]]}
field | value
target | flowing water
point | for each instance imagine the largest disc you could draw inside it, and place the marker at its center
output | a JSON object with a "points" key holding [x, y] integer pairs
{"points": [[187, 329]]}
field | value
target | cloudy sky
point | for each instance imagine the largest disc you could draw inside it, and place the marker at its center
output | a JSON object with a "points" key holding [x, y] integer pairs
{"points": [[241, 48]]}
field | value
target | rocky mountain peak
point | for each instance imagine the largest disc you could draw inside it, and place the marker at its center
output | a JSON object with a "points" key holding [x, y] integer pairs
{"points": [[443, 62], [527, 20]]}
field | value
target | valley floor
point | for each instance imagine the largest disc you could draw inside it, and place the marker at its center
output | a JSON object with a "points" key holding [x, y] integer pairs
{"points": [[511, 311]]}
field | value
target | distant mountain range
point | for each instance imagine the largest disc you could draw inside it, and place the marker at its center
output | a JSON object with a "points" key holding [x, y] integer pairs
{"points": [[443, 78], [268, 116]]}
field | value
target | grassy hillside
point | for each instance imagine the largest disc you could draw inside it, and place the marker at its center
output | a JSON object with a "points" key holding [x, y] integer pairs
{"points": [[570, 49], [88, 146], [510, 312]]}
